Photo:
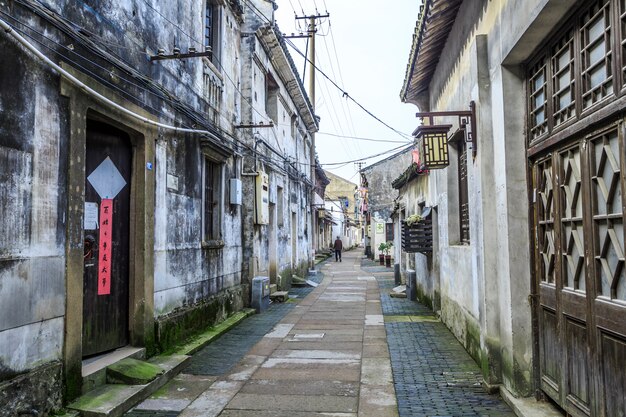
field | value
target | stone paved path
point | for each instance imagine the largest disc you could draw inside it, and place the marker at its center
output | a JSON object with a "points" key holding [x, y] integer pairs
{"points": [[335, 351], [433, 374]]}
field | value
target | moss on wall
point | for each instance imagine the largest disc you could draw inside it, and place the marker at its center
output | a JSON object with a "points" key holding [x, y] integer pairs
{"points": [[188, 321], [283, 281]]}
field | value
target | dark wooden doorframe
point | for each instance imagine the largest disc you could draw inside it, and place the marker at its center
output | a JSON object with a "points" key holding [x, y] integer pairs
{"points": [[106, 317], [581, 330]]}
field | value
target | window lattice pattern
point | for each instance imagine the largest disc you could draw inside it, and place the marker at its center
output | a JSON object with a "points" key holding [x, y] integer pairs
{"points": [[596, 53], [213, 91], [622, 20], [586, 65], [563, 79], [545, 197], [209, 24], [572, 237], [210, 176], [608, 218], [538, 102]]}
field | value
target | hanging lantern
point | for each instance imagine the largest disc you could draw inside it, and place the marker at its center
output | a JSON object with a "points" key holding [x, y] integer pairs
{"points": [[433, 144]]}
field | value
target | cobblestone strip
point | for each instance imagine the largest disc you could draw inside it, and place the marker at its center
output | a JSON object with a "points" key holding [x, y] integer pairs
{"points": [[433, 375]]}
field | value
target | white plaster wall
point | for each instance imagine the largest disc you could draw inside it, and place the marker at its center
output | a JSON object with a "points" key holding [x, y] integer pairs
{"points": [[488, 282]]}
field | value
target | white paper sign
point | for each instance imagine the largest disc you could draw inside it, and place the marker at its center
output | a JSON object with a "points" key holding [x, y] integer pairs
{"points": [[91, 216]]}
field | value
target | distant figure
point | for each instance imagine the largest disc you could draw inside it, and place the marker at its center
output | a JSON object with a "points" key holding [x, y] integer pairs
{"points": [[338, 248]]}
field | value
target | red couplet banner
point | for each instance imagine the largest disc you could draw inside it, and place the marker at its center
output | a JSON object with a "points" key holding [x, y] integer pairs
{"points": [[104, 254]]}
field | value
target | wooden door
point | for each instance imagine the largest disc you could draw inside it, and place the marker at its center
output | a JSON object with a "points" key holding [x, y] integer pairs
{"points": [[105, 312], [579, 210]]}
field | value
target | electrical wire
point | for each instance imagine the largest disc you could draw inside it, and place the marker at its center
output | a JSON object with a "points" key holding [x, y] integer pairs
{"points": [[361, 138], [403, 148], [14, 31], [343, 92]]}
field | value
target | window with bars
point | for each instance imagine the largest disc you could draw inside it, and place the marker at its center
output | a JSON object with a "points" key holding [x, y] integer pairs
{"points": [[577, 71], [622, 38], [211, 200], [537, 101], [211, 27], [563, 79], [596, 56]]}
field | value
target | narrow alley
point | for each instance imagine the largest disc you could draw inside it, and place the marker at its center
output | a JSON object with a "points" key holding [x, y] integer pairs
{"points": [[345, 348]]}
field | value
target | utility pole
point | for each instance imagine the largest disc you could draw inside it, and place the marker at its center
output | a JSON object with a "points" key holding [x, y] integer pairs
{"points": [[312, 29]]}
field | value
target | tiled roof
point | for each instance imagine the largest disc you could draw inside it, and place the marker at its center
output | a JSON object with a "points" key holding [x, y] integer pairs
{"points": [[431, 33]]}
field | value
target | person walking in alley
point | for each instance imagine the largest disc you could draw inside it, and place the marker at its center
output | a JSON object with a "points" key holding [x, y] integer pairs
{"points": [[338, 248]]}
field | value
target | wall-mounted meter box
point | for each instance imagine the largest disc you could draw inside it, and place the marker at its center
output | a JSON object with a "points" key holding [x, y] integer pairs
{"points": [[236, 196], [262, 197]]}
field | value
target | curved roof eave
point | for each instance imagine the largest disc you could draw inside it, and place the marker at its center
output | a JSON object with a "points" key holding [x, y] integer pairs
{"points": [[273, 41], [431, 33]]}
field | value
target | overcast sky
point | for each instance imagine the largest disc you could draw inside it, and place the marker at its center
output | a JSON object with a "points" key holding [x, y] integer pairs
{"points": [[364, 47]]}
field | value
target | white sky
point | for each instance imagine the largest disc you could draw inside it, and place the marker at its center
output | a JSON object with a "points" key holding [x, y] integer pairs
{"points": [[372, 40]]}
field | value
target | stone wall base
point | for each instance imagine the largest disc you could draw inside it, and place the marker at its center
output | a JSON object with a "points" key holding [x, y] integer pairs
{"points": [[178, 326], [35, 393]]}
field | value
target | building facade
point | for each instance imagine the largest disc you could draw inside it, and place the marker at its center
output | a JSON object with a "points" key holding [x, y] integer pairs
{"points": [[126, 175], [528, 237], [343, 202]]}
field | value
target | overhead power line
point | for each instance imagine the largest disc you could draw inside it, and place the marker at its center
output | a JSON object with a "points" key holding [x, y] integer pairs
{"points": [[343, 92]]}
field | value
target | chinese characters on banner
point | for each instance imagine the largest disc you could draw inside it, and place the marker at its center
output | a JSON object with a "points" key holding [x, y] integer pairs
{"points": [[104, 254]]}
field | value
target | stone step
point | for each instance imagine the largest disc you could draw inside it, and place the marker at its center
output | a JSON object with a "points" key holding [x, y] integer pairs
{"points": [[279, 296], [113, 400], [94, 370], [131, 371]]}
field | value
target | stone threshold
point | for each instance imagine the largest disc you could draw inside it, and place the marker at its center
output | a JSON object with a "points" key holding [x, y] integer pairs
{"points": [[529, 407]]}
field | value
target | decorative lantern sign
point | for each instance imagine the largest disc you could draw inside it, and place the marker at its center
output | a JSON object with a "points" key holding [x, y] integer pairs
{"points": [[433, 144], [433, 139]]}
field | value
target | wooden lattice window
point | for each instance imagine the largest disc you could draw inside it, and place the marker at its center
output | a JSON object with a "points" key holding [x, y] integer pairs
{"points": [[622, 20], [211, 199], [563, 79], [571, 208], [607, 156], [596, 53], [538, 102], [545, 216]]}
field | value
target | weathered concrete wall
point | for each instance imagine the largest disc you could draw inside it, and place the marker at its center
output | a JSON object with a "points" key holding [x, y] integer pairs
{"points": [[379, 177], [32, 201], [111, 51], [282, 247]]}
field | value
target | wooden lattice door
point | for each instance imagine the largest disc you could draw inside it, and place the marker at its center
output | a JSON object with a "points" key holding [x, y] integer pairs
{"points": [[579, 267]]}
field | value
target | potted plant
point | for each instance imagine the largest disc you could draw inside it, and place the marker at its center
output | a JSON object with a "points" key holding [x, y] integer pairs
{"points": [[388, 247], [381, 256], [413, 219]]}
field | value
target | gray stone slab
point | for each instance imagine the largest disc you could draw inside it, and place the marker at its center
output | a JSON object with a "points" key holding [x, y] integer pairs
{"points": [[316, 403], [336, 373], [214, 400], [318, 354], [377, 402], [376, 371], [322, 344], [185, 387], [159, 404], [258, 413], [380, 350], [306, 387]]}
